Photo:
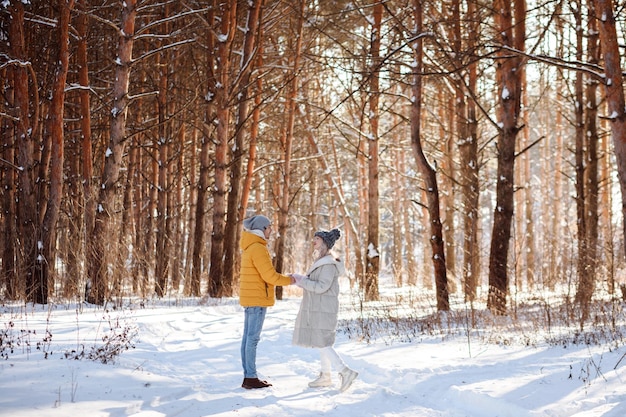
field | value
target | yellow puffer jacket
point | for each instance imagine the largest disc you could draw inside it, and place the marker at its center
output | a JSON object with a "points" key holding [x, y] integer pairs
{"points": [[258, 276]]}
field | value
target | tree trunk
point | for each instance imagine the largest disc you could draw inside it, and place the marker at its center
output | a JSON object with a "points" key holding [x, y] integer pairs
{"points": [[508, 75], [98, 293], [372, 267], [428, 173], [526, 225], [448, 180], [180, 210], [587, 182], [231, 235], [54, 129], [163, 222], [205, 161], [76, 182], [468, 148], [252, 150], [8, 172], [290, 114], [227, 28], [410, 237], [26, 118], [191, 222], [85, 121], [614, 92], [201, 211]]}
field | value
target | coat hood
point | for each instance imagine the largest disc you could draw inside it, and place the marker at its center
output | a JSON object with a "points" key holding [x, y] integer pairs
{"points": [[328, 260], [248, 238]]}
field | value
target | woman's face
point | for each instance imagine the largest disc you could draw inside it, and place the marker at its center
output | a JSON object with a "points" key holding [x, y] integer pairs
{"points": [[267, 232], [317, 242]]}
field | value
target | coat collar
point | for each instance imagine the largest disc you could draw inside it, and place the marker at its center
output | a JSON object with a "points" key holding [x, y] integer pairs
{"points": [[327, 260]]}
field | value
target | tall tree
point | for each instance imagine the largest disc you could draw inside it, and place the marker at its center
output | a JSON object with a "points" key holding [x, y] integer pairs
{"points": [[163, 221], [287, 140], [97, 266], [587, 191], [508, 80], [614, 91], [205, 153], [227, 10], [81, 205], [372, 268], [246, 66], [26, 117], [8, 173], [428, 173], [465, 117], [54, 129]]}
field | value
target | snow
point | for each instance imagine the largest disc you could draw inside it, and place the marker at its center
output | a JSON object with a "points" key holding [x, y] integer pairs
{"points": [[185, 363], [372, 251], [505, 93]]}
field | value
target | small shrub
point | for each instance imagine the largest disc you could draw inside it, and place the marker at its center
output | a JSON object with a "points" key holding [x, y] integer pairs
{"points": [[118, 340]]}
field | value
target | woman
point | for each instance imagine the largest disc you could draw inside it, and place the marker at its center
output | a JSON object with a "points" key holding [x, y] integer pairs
{"points": [[317, 318], [256, 292]]}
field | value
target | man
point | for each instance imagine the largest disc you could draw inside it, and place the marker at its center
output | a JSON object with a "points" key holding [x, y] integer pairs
{"points": [[256, 292]]}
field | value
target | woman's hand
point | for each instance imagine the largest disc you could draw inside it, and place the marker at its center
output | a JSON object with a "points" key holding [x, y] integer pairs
{"points": [[298, 278]]}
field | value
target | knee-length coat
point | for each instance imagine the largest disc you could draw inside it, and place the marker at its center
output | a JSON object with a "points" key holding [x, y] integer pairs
{"points": [[316, 322]]}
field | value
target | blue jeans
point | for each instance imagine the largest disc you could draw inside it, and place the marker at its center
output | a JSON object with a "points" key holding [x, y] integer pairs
{"points": [[253, 324]]}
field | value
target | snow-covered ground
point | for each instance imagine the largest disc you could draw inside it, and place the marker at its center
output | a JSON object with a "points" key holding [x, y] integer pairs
{"points": [[185, 363]]}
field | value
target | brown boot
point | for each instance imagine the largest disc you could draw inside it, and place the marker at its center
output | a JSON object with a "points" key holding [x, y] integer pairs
{"points": [[253, 383]]}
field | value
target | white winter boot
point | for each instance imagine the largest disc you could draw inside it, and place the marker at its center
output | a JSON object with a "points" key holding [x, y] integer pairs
{"points": [[323, 380], [347, 376]]}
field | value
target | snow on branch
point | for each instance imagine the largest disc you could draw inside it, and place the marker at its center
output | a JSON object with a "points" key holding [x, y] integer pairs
{"points": [[11, 61], [594, 70]]}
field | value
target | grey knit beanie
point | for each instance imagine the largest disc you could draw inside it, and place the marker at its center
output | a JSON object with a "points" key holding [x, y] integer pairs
{"points": [[258, 222], [329, 237]]}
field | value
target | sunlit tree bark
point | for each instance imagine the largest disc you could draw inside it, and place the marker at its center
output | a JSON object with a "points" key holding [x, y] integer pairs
{"points": [[428, 173], [372, 267], [614, 93], [468, 148], [508, 79], [587, 172]]}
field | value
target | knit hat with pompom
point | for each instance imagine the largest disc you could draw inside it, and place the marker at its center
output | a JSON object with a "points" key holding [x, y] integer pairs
{"points": [[329, 237]]}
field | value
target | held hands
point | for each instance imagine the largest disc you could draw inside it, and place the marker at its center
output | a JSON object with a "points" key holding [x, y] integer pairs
{"points": [[297, 279]]}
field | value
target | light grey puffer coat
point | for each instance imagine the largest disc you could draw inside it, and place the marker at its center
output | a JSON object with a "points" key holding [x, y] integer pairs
{"points": [[317, 318]]}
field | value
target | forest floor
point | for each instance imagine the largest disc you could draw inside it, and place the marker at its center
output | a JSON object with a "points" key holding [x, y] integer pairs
{"points": [[180, 357]]}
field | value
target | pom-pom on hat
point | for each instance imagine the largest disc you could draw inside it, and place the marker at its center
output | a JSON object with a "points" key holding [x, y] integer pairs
{"points": [[329, 237], [258, 222]]}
